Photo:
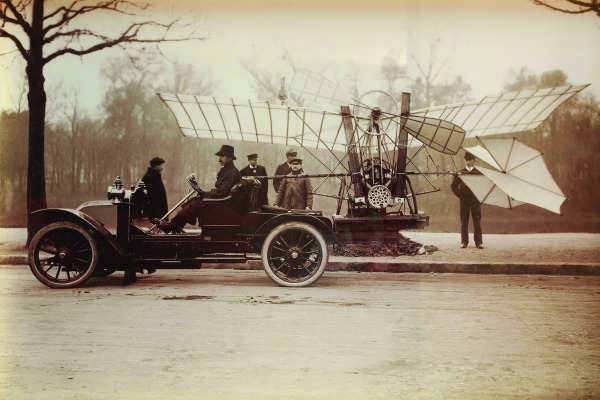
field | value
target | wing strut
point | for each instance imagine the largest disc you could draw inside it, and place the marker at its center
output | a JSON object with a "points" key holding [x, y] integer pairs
{"points": [[401, 145], [353, 158]]}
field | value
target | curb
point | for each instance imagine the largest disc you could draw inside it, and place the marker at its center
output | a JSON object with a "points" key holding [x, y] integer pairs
{"points": [[417, 266]]}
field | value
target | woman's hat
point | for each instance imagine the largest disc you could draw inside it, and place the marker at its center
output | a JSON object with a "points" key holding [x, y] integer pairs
{"points": [[156, 161]]}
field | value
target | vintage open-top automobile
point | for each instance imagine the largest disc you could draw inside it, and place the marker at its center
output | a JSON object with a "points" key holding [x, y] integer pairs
{"points": [[70, 246]]}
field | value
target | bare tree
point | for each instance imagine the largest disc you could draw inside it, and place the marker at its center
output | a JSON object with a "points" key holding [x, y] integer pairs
{"points": [[393, 70], [427, 91], [41, 36], [570, 6]]}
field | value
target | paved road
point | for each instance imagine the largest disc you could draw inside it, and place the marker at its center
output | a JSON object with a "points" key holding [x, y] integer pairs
{"points": [[223, 334]]}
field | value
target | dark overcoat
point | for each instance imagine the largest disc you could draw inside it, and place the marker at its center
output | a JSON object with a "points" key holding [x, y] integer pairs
{"points": [[295, 193], [157, 195], [259, 170], [462, 191], [282, 169]]}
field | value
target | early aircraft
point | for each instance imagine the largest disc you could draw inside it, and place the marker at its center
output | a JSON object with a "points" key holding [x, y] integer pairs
{"points": [[370, 136]]}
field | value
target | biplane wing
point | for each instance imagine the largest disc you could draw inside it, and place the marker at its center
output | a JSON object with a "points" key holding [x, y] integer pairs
{"points": [[257, 121], [504, 113]]}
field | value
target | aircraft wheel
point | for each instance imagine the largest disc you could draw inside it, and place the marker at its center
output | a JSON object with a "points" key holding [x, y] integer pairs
{"points": [[63, 255], [295, 254]]}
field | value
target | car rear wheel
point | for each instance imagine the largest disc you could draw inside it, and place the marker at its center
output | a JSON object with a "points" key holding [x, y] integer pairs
{"points": [[63, 255], [295, 254]]}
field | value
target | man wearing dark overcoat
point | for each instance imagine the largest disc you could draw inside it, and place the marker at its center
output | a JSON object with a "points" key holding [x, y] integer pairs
{"points": [[252, 170], [295, 193], [469, 204], [157, 205], [227, 177], [285, 168]]}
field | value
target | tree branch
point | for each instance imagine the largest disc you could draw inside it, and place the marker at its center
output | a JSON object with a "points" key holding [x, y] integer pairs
{"points": [[17, 43], [110, 43], [18, 18], [69, 13], [584, 6]]}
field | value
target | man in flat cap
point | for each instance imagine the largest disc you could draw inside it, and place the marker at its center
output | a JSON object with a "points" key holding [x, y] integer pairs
{"points": [[285, 168], [469, 204], [295, 193], [157, 205], [253, 170], [227, 177]]}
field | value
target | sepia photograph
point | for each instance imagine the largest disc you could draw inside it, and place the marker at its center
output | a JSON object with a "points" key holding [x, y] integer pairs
{"points": [[283, 199]]}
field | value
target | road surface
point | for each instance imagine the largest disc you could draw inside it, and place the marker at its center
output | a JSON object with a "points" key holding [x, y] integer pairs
{"points": [[223, 334]]}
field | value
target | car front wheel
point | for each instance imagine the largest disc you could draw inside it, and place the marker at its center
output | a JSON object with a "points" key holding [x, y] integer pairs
{"points": [[294, 254], [63, 255]]}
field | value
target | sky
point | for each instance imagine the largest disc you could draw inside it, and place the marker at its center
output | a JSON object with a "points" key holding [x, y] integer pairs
{"points": [[482, 40]]}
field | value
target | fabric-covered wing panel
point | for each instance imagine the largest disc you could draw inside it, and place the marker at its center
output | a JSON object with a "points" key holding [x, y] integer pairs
{"points": [[505, 113], [257, 121]]}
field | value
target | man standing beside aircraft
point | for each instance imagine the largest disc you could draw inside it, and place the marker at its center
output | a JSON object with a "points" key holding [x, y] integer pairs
{"points": [[285, 168], [253, 169], [468, 204], [295, 193]]}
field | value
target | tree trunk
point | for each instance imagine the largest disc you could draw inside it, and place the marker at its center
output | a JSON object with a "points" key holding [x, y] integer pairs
{"points": [[36, 180]]}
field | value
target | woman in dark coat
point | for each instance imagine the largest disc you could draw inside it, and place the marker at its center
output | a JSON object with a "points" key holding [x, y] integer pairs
{"points": [[157, 196]]}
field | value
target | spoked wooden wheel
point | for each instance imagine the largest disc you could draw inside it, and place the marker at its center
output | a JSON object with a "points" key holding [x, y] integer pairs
{"points": [[63, 255], [374, 112], [295, 254]]}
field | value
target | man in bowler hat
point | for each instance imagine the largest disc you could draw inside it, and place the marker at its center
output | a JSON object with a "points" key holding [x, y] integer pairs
{"points": [[253, 169], [469, 204], [227, 177]]}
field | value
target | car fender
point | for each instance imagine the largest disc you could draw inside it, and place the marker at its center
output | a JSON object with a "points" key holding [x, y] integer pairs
{"points": [[318, 222], [39, 219]]}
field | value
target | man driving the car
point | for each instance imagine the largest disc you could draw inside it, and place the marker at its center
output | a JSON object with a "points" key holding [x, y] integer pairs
{"points": [[227, 177]]}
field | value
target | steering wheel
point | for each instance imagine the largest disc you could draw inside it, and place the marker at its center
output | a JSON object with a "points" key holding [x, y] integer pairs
{"points": [[191, 178]]}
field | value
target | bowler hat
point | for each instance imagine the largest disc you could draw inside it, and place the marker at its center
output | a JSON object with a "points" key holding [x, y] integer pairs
{"points": [[156, 161], [291, 152], [252, 156], [469, 156], [226, 150]]}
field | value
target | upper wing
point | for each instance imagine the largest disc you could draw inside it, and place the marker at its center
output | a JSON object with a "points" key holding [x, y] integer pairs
{"points": [[266, 122], [505, 113], [257, 121]]}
